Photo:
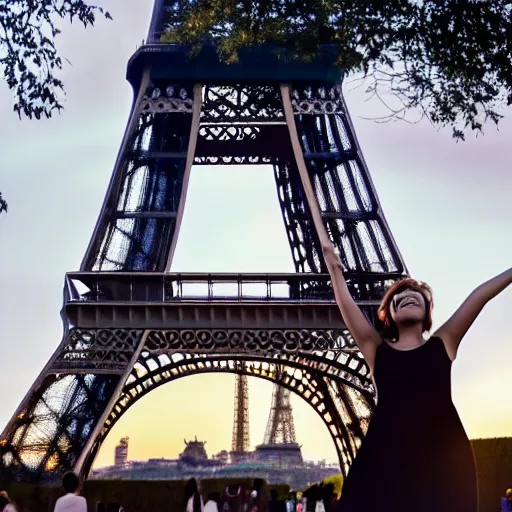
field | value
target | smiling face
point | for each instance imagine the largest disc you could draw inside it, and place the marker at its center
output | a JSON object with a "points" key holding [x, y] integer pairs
{"points": [[408, 306], [405, 302]]}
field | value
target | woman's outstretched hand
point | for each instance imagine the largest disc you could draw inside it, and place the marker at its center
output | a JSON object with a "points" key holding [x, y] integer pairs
{"points": [[454, 329], [332, 260], [367, 338]]}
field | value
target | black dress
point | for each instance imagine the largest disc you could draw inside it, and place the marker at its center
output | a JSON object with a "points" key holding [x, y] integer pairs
{"points": [[416, 456]]}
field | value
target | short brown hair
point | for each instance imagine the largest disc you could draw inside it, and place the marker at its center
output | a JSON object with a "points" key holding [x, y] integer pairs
{"points": [[388, 328]]}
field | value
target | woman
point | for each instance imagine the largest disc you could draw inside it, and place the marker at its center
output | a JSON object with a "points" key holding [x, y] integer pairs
{"points": [[192, 499], [416, 454]]}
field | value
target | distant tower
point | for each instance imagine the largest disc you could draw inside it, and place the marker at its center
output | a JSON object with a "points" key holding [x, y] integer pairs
{"points": [[121, 452], [280, 426], [240, 444], [280, 446]]}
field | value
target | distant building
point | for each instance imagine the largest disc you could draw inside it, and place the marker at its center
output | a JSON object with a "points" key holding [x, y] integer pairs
{"points": [[121, 453], [275, 463], [194, 450], [222, 456]]}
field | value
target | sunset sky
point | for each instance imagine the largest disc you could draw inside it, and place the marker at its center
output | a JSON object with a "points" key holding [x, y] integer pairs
{"points": [[448, 205]]}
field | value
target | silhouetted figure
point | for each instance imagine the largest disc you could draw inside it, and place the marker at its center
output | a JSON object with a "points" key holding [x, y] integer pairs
{"points": [[290, 502], [234, 498], [311, 496], [71, 502], [212, 503], [3, 503], [506, 501], [275, 505], [192, 499], [319, 505], [10, 507], [329, 497]]}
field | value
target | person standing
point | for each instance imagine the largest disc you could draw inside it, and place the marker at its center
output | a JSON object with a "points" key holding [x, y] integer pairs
{"points": [[275, 504], [10, 506], [506, 501], [192, 498], [71, 501], [416, 444], [3, 503], [290, 503], [212, 503]]}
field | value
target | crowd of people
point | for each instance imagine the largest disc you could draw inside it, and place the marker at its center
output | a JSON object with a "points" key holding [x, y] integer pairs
{"points": [[317, 498], [71, 501], [235, 498]]}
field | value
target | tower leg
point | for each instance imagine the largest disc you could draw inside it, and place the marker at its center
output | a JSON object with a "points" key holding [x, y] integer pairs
{"points": [[301, 165], [241, 444], [78, 468]]}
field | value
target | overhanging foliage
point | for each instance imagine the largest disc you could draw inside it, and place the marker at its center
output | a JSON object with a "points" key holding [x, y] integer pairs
{"points": [[28, 57], [449, 60]]}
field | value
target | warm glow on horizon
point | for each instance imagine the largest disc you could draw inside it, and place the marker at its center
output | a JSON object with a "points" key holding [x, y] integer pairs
{"points": [[203, 406]]}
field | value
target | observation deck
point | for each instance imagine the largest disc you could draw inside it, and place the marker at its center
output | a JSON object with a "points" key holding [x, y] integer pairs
{"points": [[140, 300], [263, 63]]}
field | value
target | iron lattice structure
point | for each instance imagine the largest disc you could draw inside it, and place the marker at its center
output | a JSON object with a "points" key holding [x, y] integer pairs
{"points": [[280, 426], [130, 325], [241, 442]]}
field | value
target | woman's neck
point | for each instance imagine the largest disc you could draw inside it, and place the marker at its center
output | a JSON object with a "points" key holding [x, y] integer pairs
{"points": [[410, 336]]}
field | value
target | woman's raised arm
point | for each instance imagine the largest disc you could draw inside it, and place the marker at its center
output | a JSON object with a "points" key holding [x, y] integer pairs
{"points": [[454, 329], [367, 338]]}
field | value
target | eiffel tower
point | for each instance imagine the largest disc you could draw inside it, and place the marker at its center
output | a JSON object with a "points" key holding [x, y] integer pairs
{"points": [[279, 441], [131, 325]]}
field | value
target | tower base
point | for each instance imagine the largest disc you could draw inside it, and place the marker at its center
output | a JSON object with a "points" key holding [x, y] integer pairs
{"points": [[281, 455], [238, 457]]}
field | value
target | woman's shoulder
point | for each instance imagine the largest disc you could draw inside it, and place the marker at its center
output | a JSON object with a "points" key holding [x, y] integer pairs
{"points": [[437, 341]]}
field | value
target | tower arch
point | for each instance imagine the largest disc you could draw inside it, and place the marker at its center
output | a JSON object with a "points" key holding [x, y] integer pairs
{"points": [[344, 407]]}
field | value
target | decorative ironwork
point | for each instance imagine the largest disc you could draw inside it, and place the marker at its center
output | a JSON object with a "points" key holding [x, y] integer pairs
{"points": [[241, 103], [171, 99], [255, 341], [233, 160], [231, 133], [166, 105], [332, 351], [320, 100], [97, 350]]}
